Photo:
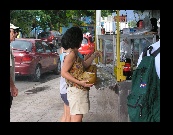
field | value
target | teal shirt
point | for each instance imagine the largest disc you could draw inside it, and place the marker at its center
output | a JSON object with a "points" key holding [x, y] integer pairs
{"points": [[79, 54]]}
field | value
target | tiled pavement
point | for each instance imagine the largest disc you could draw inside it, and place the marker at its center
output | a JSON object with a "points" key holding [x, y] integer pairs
{"points": [[46, 105]]}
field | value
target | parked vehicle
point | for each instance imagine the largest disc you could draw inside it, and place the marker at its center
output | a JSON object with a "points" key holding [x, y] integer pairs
{"points": [[88, 45], [53, 47], [34, 57], [52, 37]]}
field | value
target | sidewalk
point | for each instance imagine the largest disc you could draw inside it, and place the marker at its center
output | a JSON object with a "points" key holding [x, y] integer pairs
{"points": [[44, 104]]}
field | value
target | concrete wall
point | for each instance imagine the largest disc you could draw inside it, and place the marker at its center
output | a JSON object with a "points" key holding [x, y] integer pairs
{"points": [[109, 104]]}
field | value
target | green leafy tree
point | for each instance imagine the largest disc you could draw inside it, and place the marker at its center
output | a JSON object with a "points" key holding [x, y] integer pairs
{"points": [[132, 24], [27, 20]]}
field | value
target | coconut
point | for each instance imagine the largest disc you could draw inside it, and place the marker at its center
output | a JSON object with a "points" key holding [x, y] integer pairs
{"points": [[92, 68], [91, 77]]}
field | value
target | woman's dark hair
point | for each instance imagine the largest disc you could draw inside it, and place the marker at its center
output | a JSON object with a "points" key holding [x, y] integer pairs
{"points": [[72, 38]]}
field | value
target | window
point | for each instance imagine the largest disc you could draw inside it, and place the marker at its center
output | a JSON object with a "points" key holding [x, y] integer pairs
{"points": [[22, 45], [39, 47], [47, 48]]}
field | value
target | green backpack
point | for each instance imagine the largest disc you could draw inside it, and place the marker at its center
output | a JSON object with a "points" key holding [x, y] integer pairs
{"points": [[143, 102]]}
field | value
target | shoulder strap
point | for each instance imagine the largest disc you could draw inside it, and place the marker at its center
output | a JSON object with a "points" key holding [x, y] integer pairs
{"points": [[154, 54], [146, 49]]}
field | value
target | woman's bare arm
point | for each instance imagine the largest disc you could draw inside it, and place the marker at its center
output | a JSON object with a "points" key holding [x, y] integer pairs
{"points": [[87, 62]]}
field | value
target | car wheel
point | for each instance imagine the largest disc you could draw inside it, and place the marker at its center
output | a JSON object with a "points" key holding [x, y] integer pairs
{"points": [[58, 68], [37, 74]]}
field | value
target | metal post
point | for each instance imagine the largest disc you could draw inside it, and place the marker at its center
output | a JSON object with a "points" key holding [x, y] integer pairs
{"points": [[97, 30], [118, 48], [119, 65], [101, 49]]}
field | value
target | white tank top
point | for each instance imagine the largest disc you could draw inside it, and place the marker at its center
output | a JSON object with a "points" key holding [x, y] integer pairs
{"points": [[63, 85]]}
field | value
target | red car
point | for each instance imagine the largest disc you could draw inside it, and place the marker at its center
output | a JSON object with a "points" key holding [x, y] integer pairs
{"points": [[52, 37], [88, 45], [34, 57]]}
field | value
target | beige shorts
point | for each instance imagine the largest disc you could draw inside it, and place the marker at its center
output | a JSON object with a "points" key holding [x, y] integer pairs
{"points": [[78, 100]]}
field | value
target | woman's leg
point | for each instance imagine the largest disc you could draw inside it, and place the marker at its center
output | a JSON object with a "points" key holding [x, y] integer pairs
{"points": [[63, 115], [66, 115], [67, 112], [76, 118]]}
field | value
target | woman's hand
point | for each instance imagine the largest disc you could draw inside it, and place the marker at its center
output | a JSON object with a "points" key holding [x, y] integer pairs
{"points": [[97, 54], [87, 56], [87, 62], [85, 84]]}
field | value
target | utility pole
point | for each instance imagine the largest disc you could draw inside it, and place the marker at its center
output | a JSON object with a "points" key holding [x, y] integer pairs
{"points": [[97, 30], [98, 25]]}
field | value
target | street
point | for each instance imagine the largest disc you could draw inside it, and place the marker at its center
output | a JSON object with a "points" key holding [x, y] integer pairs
{"points": [[24, 82]]}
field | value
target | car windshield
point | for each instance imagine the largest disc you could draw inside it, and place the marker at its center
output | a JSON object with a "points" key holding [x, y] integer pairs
{"points": [[23, 45], [85, 40]]}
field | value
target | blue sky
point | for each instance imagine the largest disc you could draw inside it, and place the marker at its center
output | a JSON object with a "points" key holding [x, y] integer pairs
{"points": [[130, 14]]}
